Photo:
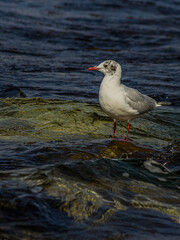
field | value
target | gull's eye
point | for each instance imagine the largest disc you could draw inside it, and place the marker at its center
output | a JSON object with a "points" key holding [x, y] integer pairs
{"points": [[105, 65]]}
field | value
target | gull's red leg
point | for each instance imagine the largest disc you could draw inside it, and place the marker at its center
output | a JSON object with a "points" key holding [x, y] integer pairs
{"points": [[114, 129], [127, 131]]}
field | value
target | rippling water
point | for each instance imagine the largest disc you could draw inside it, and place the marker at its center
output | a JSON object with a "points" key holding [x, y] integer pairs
{"points": [[62, 177]]}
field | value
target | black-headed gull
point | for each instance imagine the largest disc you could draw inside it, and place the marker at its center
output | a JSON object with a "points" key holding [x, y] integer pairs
{"points": [[118, 101]]}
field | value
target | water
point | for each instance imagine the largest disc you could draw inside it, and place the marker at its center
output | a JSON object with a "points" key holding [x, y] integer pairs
{"points": [[62, 176]]}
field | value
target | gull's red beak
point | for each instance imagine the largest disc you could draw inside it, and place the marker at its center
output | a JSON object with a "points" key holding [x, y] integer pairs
{"points": [[93, 68]]}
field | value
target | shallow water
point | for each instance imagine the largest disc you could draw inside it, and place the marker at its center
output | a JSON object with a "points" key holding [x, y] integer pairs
{"points": [[62, 176]]}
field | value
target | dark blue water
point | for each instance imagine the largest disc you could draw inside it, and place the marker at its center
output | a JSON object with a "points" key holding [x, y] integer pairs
{"points": [[46, 46], [88, 188]]}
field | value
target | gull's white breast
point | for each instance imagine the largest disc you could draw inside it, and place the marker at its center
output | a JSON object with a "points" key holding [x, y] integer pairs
{"points": [[112, 98]]}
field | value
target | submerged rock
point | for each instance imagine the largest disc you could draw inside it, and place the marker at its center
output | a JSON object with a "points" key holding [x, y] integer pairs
{"points": [[60, 159]]}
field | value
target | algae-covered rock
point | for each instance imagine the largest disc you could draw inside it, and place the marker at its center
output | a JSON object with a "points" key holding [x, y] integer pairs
{"points": [[37, 119], [42, 119]]}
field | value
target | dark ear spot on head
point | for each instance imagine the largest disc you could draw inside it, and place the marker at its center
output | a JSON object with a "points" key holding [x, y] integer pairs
{"points": [[113, 68]]}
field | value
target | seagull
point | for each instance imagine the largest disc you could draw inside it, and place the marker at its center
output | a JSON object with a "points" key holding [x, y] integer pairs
{"points": [[118, 101]]}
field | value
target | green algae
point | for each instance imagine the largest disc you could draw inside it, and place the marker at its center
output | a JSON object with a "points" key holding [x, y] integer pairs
{"points": [[36, 119], [48, 119]]}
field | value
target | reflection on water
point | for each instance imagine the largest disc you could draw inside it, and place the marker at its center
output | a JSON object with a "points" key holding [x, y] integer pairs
{"points": [[62, 176]]}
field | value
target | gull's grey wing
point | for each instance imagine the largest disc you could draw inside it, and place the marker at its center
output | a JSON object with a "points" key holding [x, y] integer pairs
{"points": [[138, 101]]}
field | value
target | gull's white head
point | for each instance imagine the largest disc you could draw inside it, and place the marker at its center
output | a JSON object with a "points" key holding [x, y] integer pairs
{"points": [[108, 67]]}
